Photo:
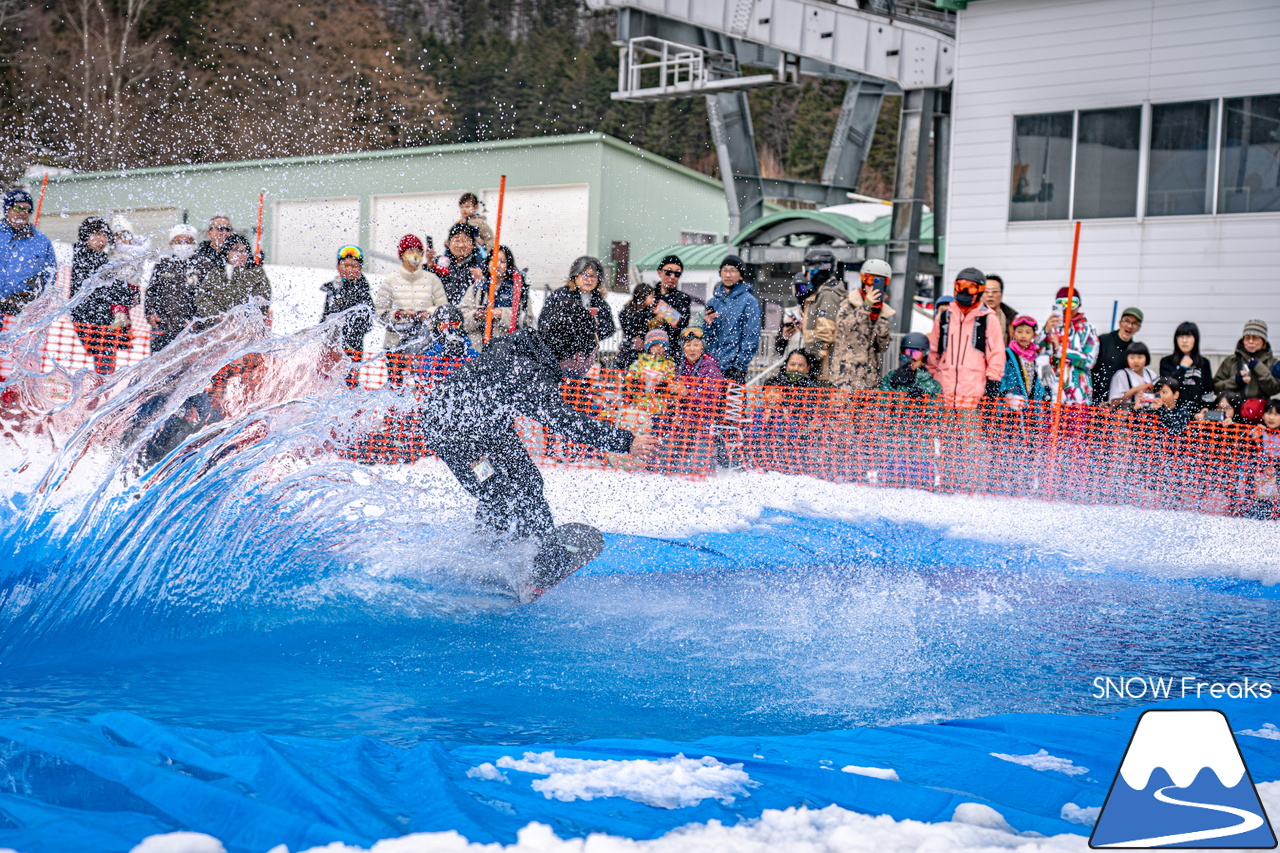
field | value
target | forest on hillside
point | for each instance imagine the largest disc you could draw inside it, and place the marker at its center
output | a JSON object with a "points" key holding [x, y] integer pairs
{"points": [[106, 84]]}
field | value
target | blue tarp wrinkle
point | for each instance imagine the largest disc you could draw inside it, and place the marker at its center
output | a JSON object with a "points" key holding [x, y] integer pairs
{"points": [[105, 783]]}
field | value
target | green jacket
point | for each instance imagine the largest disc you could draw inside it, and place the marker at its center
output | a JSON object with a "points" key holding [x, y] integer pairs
{"points": [[1262, 383], [218, 295]]}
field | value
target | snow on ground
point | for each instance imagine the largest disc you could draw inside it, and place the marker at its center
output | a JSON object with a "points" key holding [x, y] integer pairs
{"points": [[1163, 542], [973, 829], [667, 783], [1042, 760]]}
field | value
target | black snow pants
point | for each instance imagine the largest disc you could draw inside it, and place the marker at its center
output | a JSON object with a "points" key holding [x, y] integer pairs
{"points": [[497, 471]]}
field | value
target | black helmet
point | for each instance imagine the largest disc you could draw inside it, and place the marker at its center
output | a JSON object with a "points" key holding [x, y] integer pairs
{"points": [[915, 340], [820, 266], [446, 314]]}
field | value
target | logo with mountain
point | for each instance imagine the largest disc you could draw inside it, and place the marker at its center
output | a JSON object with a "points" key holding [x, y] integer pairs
{"points": [[1183, 783]]}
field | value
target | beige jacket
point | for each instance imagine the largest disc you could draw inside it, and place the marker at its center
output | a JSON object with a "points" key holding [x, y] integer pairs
{"points": [[859, 344], [406, 291]]}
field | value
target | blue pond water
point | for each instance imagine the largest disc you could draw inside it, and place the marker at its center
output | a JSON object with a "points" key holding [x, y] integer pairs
{"points": [[143, 613]]}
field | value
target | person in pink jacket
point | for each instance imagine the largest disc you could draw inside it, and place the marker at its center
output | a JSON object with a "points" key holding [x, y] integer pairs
{"points": [[966, 346]]}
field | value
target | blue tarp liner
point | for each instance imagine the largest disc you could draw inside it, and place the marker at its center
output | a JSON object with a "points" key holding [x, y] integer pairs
{"points": [[105, 783]]}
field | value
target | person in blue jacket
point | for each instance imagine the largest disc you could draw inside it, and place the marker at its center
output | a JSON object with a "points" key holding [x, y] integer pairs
{"points": [[27, 262], [1021, 378], [732, 321]]}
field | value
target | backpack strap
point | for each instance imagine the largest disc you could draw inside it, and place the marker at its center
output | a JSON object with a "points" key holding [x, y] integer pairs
{"points": [[943, 330], [980, 333]]}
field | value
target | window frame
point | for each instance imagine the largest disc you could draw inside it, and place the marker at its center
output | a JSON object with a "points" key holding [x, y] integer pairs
{"points": [[1218, 105]]}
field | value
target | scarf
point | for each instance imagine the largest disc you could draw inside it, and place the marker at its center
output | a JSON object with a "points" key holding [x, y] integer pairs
{"points": [[1028, 352]]}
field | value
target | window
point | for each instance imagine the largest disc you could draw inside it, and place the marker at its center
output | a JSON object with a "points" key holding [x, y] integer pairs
{"points": [[1202, 157], [1181, 160], [1041, 180], [1107, 163], [1250, 176]]}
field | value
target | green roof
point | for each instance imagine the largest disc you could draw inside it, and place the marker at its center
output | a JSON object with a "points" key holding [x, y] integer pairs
{"points": [[694, 256], [852, 230]]}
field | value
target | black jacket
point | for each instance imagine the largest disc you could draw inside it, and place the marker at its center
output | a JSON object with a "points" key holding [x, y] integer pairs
{"points": [[1111, 359], [605, 327], [342, 294], [634, 320], [96, 309], [516, 375], [1196, 380], [171, 293], [680, 301], [455, 274]]}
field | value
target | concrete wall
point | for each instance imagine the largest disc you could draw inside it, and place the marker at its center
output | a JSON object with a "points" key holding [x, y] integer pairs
{"points": [[1019, 57]]}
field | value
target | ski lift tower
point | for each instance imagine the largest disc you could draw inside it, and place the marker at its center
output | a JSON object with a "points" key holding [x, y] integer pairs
{"points": [[723, 49]]}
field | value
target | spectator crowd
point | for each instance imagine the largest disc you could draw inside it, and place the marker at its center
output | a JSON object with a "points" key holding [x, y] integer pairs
{"points": [[681, 365]]}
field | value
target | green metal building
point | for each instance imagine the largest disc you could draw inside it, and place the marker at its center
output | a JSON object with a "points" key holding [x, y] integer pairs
{"points": [[566, 196]]}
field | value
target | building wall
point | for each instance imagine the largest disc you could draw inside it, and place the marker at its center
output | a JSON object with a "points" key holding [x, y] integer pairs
{"points": [[1019, 57], [315, 204]]}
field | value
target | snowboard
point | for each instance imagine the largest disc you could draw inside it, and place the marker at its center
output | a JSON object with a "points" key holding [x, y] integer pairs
{"points": [[566, 549]]}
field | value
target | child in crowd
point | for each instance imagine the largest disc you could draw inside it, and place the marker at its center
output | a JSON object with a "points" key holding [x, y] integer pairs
{"points": [[1225, 409], [1262, 474], [1132, 387], [649, 380], [911, 377], [909, 460], [1021, 381], [451, 346], [1172, 416]]}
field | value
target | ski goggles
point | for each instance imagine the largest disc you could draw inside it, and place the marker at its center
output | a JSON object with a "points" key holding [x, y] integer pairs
{"points": [[452, 325], [963, 285], [1062, 303], [691, 332], [913, 354], [813, 268], [1023, 320], [879, 282], [351, 253]]}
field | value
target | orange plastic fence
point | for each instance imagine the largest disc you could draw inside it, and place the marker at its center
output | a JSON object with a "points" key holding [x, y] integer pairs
{"points": [[1098, 455]]}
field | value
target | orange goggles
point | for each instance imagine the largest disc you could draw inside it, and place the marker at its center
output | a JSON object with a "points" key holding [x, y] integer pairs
{"points": [[963, 285]]}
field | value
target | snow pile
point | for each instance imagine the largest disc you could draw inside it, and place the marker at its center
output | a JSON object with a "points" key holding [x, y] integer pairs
{"points": [[874, 772], [1268, 731], [1042, 760], [668, 783], [1083, 816], [180, 842]]}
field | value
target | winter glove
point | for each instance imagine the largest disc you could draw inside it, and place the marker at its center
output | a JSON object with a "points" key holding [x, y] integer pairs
{"points": [[902, 379], [992, 389]]}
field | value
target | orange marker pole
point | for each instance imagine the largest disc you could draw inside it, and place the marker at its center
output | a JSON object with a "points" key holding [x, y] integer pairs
{"points": [[257, 247], [44, 185], [493, 261], [1067, 317]]}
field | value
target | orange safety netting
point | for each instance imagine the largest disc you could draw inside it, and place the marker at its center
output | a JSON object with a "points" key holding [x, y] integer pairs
{"points": [[1084, 455]]}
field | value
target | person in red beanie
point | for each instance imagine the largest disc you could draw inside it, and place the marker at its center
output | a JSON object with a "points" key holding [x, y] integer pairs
{"points": [[405, 304]]}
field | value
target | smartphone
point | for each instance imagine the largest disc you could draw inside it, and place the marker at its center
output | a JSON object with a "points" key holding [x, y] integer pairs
{"points": [[1216, 415]]}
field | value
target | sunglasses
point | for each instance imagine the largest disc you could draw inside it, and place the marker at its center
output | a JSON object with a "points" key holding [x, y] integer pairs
{"points": [[226, 228], [672, 273]]}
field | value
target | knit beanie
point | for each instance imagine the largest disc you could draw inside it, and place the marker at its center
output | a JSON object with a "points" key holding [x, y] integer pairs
{"points": [[656, 336], [1256, 327], [408, 242], [14, 196], [735, 262]]}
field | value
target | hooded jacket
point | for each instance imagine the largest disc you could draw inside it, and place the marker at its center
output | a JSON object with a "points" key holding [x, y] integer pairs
{"points": [[24, 258], [820, 313], [1259, 363], [515, 376], [734, 337], [963, 370], [219, 293], [858, 344]]}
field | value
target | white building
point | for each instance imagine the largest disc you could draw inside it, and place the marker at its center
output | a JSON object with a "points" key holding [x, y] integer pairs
{"points": [[1156, 123]]}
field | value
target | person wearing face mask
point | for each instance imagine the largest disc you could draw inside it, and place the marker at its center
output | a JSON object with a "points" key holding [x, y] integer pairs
{"points": [[820, 292], [469, 418], [966, 351], [1248, 370], [405, 303], [860, 331], [170, 297]]}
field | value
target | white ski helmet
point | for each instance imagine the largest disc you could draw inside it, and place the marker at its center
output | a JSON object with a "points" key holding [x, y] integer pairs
{"points": [[875, 266]]}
